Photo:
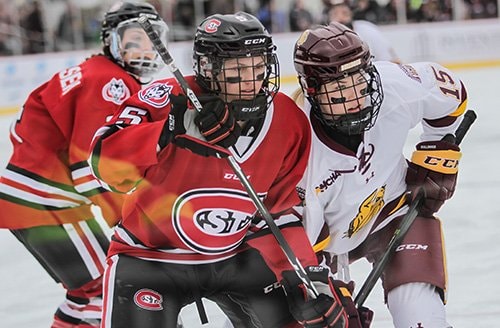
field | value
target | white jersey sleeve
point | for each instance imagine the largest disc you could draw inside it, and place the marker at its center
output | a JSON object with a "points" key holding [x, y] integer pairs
{"points": [[435, 96]]}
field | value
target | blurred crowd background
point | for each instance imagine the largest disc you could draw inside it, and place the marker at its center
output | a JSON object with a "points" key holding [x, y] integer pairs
{"points": [[38, 26]]}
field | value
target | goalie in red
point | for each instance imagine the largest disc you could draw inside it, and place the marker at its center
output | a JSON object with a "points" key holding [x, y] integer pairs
{"points": [[47, 189]]}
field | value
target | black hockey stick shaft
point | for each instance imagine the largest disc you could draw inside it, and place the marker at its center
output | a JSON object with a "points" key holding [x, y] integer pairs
{"points": [[469, 118], [169, 61], [406, 221], [282, 242]]}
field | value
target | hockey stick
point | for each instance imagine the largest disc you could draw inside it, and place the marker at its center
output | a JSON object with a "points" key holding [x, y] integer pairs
{"points": [[282, 242], [407, 220], [343, 272]]}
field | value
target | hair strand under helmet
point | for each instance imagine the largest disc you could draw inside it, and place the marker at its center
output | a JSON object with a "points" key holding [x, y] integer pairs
{"points": [[124, 15], [330, 53], [222, 37]]}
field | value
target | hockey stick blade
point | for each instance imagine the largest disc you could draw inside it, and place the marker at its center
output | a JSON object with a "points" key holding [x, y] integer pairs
{"points": [[406, 222], [282, 242]]}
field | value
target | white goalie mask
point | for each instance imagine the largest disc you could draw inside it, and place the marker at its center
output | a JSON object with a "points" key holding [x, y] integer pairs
{"points": [[131, 48]]}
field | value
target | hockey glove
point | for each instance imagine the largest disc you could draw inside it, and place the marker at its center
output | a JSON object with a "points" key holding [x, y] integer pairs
{"points": [[363, 314], [216, 122], [182, 130], [333, 307], [434, 167]]}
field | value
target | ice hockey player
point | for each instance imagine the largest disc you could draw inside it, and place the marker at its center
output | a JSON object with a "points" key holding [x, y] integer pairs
{"points": [[189, 228], [47, 189], [357, 176]]}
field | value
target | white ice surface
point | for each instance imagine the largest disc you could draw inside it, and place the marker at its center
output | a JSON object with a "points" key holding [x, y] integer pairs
{"points": [[28, 296]]}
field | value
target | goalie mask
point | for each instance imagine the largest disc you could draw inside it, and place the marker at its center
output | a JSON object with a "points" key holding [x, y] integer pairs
{"points": [[127, 44], [338, 78], [234, 58]]}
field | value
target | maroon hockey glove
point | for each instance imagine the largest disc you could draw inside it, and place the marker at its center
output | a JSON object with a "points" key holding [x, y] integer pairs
{"points": [[181, 130], [434, 167], [361, 317], [332, 308]]}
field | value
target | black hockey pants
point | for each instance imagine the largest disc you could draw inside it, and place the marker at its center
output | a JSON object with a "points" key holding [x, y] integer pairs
{"points": [[150, 294]]}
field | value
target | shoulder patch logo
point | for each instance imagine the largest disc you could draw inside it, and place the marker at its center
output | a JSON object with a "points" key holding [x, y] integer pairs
{"points": [[156, 95], [115, 91], [411, 72]]}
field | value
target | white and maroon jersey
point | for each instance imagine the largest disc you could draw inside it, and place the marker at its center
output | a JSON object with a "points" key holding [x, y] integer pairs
{"points": [[379, 45], [47, 180], [358, 193], [186, 208]]}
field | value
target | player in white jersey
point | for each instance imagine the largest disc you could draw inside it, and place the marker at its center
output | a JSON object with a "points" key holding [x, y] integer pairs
{"points": [[357, 177]]}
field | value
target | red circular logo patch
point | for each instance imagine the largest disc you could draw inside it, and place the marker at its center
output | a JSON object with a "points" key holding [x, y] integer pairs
{"points": [[212, 221], [148, 300], [156, 95], [212, 25]]}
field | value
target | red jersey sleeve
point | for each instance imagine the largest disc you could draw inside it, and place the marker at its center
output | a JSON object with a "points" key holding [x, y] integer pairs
{"points": [[124, 149], [282, 195], [274, 255], [294, 126]]}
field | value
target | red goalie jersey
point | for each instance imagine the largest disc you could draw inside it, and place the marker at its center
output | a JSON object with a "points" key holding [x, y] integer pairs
{"points": [[186, 208], [47, 180]]}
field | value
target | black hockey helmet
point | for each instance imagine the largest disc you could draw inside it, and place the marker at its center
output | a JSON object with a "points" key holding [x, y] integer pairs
{"points": [[327, 54], [121, 16], [222, 37]]}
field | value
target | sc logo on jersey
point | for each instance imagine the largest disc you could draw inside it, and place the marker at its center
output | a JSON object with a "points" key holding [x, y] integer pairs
{"points": [[212, 221], [215, 221], [148, 299], [156, 95]]}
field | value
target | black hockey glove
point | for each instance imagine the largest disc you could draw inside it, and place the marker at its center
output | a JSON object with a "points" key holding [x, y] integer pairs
{"points": [[434, 167], [216, 122], [181, 129], [333, 308]]}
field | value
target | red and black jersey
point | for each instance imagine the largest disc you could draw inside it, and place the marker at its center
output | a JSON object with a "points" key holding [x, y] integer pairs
{"points": [[186, 208], [47, 180]]}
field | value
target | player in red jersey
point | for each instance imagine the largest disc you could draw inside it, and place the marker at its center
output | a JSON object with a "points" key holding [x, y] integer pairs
{"points": [[189, 228], [47, 189]]}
